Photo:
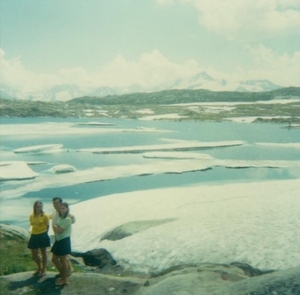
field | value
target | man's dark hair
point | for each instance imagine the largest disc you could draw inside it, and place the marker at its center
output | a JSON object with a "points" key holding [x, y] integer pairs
{"points": [[57, 199]]}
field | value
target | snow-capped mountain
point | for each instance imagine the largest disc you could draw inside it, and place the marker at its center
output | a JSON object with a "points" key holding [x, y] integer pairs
{"points": [[8, 92], [204, 81], [201, 80], [256, 86], [65, 92], [105, 90]]}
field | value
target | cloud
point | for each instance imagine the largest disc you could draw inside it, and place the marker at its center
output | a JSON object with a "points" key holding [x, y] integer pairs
{"points": [[281, 69], [14, 75], [77, 75], [247, 19], [150, 70]]}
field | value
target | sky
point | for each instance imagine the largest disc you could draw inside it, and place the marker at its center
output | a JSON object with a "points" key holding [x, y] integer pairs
{"points": [[118, 43]]}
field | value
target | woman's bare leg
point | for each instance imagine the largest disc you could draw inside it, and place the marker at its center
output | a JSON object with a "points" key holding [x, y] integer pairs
{"points": [[70, 268], [57, 263], [36, 258], [44, 261], [64, 270]]}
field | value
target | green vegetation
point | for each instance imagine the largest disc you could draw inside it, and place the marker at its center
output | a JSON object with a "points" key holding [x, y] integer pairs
{"points": [[14, 255], [187, 96], [164, 103]]}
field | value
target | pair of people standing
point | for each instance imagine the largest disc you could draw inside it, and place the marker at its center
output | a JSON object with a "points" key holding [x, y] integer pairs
{"points": [[62, 222], [39, 239]]}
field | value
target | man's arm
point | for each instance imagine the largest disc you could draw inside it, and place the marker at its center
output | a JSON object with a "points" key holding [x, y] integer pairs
{"points": [[73, 219]]}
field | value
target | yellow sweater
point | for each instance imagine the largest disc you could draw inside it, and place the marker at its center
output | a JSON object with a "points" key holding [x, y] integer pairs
{"points": [[39, 224]]}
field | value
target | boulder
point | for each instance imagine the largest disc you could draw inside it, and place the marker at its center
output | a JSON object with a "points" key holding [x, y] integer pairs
{"points": [[283, 282], [249, 270], [62, 168], [10, 231], [131, 228], [216, 279], [96, 257]]}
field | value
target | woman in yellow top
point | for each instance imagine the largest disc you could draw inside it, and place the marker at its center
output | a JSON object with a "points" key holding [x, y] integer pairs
{"points": [[39, 238]]}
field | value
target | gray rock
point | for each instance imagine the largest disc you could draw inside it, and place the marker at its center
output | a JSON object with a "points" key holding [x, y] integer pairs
{"points": [[96, 257], [10, 231], [249, 270], [284, 282], [130, 228], [202, 279]]}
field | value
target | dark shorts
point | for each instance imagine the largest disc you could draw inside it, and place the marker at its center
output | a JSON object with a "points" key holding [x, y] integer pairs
{"points": [[39, 241], [62, 247]]}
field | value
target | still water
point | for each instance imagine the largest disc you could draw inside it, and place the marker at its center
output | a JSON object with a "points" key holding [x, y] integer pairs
{"points": [[16, 210]]}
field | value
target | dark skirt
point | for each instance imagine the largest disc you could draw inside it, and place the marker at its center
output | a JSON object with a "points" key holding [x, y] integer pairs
{"points": [[39, 241], [62, 247]]}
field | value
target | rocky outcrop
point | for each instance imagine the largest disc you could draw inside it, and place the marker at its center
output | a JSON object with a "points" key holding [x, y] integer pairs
{"points": [[249, 270], [102, 276], [223, 280], [131, 228], [284, 282], [202, 279], [11, 231], [96, 257]]}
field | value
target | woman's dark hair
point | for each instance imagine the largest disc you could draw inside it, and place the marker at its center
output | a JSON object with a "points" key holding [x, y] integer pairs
{"points": [[67, 212], [34, 207]]}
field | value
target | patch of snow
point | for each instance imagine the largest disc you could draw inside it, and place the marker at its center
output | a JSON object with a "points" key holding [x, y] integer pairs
{"points": [[242, 119], [273, 101], [177, 155], [44, 129], [40, 149], [295, 145], [179, 145], [63, 168], [253, 223], [17, 170], [160, 117], [252, 119], [145, 111], [156, 167], [96, 124], [217, 110]]}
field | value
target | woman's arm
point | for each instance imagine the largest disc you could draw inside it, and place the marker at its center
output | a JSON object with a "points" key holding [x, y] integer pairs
{"points": [[60, 228], [46, 220], [30, 220], [57, 229]]}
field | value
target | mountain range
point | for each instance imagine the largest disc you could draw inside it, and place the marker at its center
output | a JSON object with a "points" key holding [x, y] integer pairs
{"points": [[201, 80]]}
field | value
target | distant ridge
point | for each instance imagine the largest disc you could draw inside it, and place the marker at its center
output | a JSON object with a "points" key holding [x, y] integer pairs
{"points": [[168, 103], [186, 95]]}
